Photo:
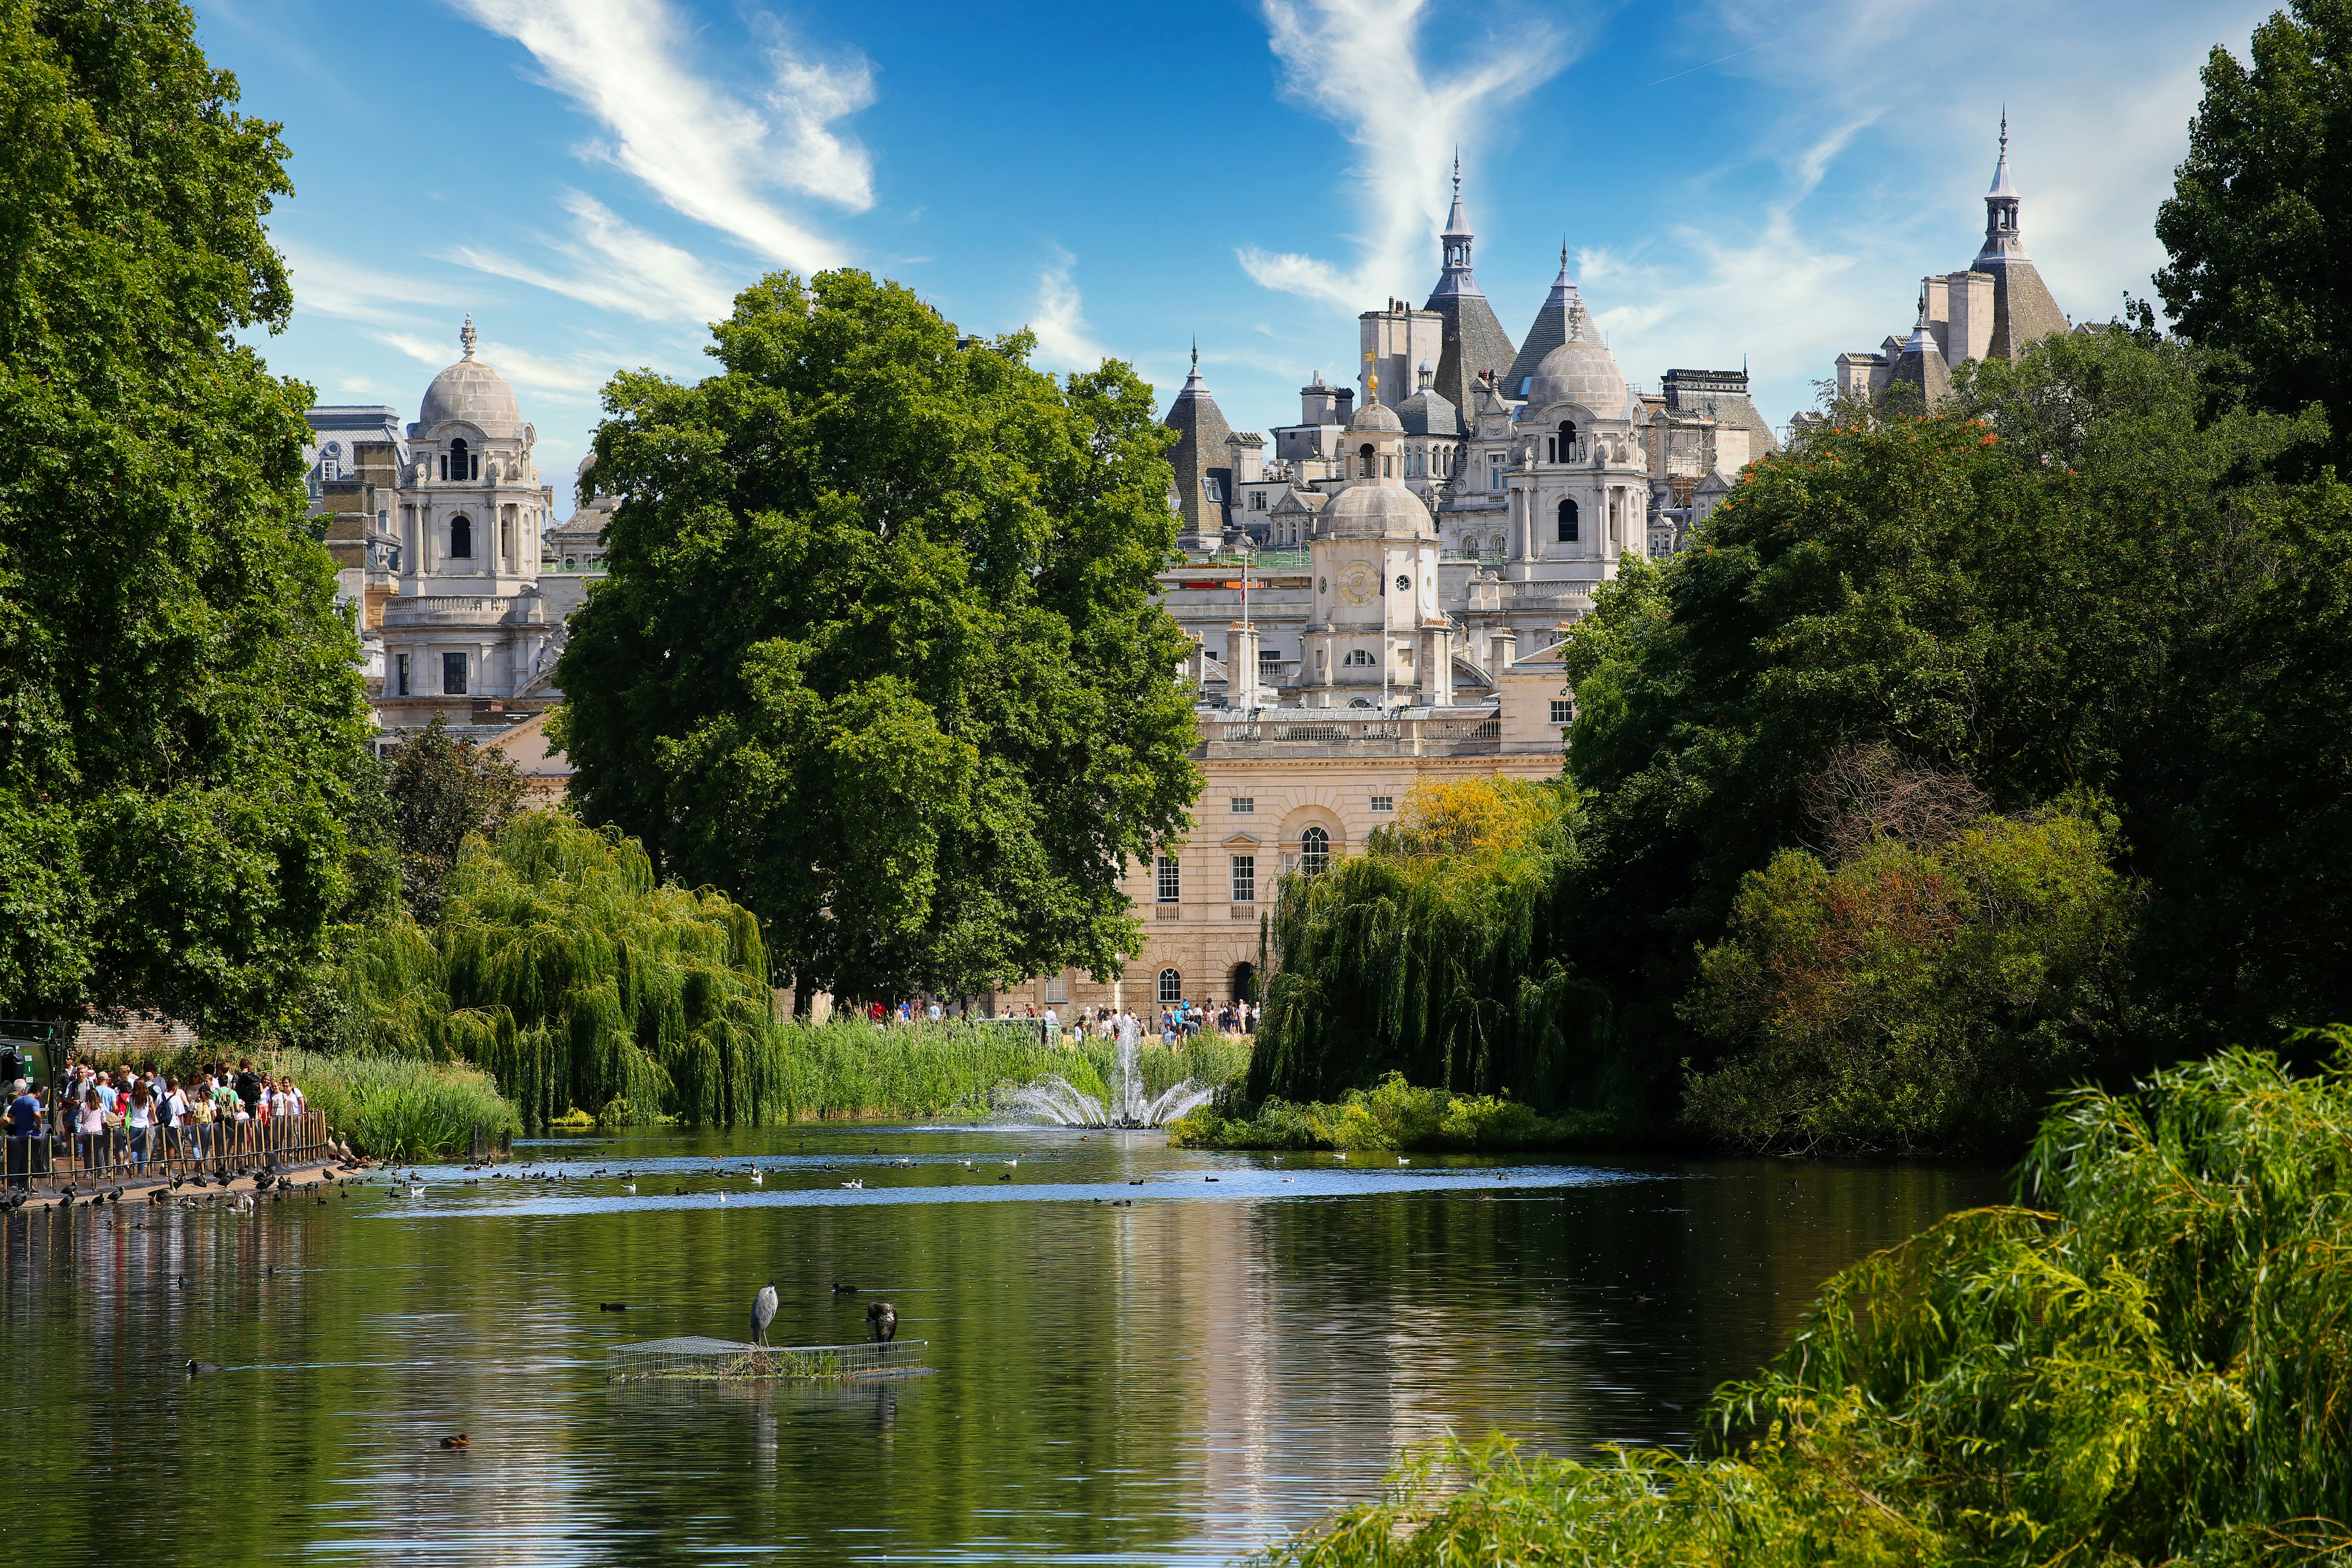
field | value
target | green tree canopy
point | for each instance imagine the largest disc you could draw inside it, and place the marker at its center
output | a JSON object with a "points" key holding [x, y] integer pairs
{"points": [[2009, 592], [181, 717], [443, 788], [2260, 219], [879, 650]]}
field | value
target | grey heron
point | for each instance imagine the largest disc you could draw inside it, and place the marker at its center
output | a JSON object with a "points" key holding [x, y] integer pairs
{"points": [[763, 1312]]}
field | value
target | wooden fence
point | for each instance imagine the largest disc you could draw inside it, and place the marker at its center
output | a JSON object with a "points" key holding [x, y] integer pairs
{"points": [[159, 1153]]}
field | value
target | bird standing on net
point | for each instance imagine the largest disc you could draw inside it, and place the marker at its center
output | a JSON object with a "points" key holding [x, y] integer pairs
{"points": [[882, 1318], [763, 1312]]}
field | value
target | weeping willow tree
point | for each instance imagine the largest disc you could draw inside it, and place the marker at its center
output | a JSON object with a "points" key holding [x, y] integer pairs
{"points": [[1425, 955], [563, 969]]}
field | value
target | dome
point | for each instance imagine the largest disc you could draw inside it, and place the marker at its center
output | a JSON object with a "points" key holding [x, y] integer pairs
{"points": [[473, 392], [1376, 416], [1428, 413], [1579, 370], [1375, 512]]}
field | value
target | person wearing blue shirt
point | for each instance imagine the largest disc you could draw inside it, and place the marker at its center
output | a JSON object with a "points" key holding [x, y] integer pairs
{"points": [[24, 1124]]}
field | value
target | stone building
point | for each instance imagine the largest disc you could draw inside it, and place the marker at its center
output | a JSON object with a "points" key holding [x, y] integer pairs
{"points": [[449, 544], [1995, 308]]}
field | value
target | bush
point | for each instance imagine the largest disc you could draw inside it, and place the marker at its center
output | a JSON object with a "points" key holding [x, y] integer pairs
{"points": [[1391, 1115], [2148, 1365]]}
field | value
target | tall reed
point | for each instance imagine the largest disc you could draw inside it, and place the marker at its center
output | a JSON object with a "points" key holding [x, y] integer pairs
{"points": [[848, 1069]]}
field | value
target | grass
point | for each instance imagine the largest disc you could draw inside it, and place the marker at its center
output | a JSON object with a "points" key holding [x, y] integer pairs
{"points": [[2147, 1360], [845, 1070], [1391, 1115]]}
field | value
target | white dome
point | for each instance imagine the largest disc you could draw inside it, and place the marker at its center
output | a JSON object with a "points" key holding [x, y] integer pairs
{"points": [[1375, 511], [473, 392], [1579, 370], [1376, 416]]}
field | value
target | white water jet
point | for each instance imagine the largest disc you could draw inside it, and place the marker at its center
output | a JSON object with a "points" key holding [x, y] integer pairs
{"points": [[1056, 1099]]}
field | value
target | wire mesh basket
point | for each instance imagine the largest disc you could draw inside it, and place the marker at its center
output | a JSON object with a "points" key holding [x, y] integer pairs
{"points": [[694, 1358]]}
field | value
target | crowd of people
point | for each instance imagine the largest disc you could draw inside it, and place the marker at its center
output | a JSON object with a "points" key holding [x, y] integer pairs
{"points": [[120, 1117], [1177, 1020]]}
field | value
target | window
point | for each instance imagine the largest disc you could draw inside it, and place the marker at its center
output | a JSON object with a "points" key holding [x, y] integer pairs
{"points": [[330, 460], [1245, 878], [1170, 888], [1493, 470], [1359, 656], [1383, 803], [400, 675], [1566, 520], [1244, 805], [1058, 990], [1172, 988], [453, 675], [1364, 458], [1568, 440], [1563, 711], [1214, 487], [1360, 702], [1313, 851], [461, 537], [1257, 500], [458, 463], [1551, 449]]}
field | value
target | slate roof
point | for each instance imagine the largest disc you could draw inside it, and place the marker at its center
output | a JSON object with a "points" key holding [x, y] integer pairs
{"points": [[1547, 333], [1200, 450]]}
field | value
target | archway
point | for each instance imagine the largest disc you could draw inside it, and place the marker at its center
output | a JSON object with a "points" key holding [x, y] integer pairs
{"points": [[1244, 982]]}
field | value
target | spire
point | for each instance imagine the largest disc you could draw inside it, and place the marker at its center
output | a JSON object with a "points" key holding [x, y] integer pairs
{"points": [[1193, 383], [465, 334], [1456, 278], [2002, 237]]}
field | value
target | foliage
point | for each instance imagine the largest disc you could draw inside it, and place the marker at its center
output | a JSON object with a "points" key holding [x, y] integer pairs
{"points": [[848, 1069], [1426, 955], [2149, 1366], [560, 967], [181, 713], [1914, 997], [2008, 593], [400, 1108], [1391, 1114], [442, 789], [2262, 210], [879, 648]]}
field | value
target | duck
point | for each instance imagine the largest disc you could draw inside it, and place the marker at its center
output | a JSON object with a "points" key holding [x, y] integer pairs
{"points": [[841, 1290], [459, 1441], [195, 1367], [612, 1305]]}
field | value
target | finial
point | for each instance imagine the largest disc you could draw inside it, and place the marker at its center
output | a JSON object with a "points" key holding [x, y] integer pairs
{"points": [[1563, 252], [1196, 353], [2004, 130], [465, 334], [1457, 168]]}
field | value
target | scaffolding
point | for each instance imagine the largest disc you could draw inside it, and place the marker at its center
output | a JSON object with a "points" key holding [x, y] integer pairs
{"points": [[693, 1358]]}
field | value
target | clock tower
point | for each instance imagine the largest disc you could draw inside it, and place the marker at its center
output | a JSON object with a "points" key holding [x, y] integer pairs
{"points": [[1375, 636]]}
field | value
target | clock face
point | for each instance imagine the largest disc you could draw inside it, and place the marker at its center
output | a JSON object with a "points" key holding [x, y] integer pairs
{"points": [[1359, 584]]}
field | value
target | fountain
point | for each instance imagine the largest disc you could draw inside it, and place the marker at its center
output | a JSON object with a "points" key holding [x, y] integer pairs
{"points": [[1056, 1099]]}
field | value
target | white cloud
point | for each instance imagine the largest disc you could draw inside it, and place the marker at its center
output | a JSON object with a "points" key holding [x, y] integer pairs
{"points": [[327, 285], [617, 267], [1063, 339], [703, 150], [1361, 64]]}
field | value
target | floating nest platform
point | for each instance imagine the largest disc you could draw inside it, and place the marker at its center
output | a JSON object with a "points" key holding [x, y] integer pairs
{"points": [[692, 1358]]}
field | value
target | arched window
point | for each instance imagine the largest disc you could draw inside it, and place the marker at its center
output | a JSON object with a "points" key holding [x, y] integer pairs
{"points": [[1566, 520], [1244, 982], [1362, 655], [1171, 988], [1568, 440], [1314, 852], [1365, 453], [1360, 702], [461, 537], [330, 460], [461, 464]]}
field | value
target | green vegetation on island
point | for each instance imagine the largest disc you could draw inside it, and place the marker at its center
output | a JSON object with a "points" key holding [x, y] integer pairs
{"points": [[1391, 1115], [2142, 1363]]}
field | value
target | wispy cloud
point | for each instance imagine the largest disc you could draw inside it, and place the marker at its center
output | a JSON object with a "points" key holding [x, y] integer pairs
{"points": [[1363, 64], [711, 153], [328, 285], [616, 267], [1059, 318], [561, 378]]}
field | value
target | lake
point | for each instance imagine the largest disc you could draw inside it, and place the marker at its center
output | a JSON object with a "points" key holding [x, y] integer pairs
{"points": [[1173, 1382]]}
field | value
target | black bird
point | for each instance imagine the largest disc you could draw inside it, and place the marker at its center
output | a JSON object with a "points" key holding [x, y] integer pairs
{"points": [[459, 1441], [882, 1322], [196, 1366], [841, 1290], [612, 1305], [763, 1312]]}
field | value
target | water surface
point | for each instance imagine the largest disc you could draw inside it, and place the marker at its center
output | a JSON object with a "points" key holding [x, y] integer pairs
{"points": [[1174, 1381]]}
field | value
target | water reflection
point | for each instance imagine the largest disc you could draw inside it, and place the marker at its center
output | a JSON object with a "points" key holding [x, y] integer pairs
{"points": [[1173, 1381]]}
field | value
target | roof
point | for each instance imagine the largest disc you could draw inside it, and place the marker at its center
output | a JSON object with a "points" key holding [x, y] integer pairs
{"points": [[1428, 413], [1580, 371], [1377, 416], [473, 392], [1376, 509], [1202, 434], [1548, 332]]}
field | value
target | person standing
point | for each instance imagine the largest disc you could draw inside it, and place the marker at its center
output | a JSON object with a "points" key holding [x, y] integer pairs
{"points": [[24, 1126], [89, 1130]]}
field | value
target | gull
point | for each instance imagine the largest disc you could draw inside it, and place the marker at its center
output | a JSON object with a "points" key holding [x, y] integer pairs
{"points": [[756, 1175], [1013, 1161], [1403, 1160], [1343, 1153], [722, 1197], [853, 1185]]}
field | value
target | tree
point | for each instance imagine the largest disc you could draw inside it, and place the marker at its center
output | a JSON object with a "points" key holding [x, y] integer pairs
{"points": [[441, 790], [180, 704], [2004, 591], [879, 649], [2261, 216]]}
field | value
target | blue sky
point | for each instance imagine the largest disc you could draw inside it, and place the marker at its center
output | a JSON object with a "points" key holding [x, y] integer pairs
{"points": [[1764, 182]]}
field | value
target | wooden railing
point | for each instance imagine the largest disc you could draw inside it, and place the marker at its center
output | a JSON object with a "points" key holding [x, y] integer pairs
{"points": [[160, 1153]]}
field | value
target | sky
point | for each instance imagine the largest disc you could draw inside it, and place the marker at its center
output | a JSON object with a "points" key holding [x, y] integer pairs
{"points": [[1758, 183]]}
